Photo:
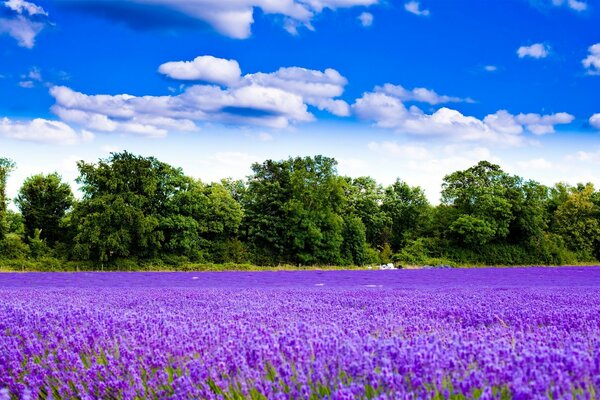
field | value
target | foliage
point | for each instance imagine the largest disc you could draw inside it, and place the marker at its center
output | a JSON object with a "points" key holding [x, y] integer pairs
{"points": [[44, 201], [408, 211], [6, 167], [140, 213], [576, 220], [293, 210]]}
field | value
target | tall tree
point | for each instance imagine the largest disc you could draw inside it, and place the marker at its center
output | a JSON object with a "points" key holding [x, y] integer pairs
{"points": [[44, 201], [124, 200], [293, 210], [408, 210], [365, 197], [576, 220], [480, 197], [6, 167]]}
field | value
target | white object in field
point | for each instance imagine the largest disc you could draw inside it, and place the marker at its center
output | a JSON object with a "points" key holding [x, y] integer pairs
{"points": [[387, 266]]}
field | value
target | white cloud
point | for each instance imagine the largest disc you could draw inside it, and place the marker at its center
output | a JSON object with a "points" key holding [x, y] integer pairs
{"points": [[536, 163], [35, 74], [490, 68], [585, 156], [276, 99], [592, 61], [406, 151], [595, 121], [537, 50], [577, 5], [422, 95], [203, 68], [23, 22], [388, 111], [25, 7], [317, 88], [422, 165], [29, 79], [414, 7], [234, 18], [40, 130], [543, 124], [227, 164], [27, 84], [366, 19], [110, 149], [265, 137]]}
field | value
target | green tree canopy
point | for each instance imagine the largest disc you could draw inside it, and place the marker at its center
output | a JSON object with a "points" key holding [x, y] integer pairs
{"points": [[576, 220], [293, 210], [6, 167], [480, 196], [44, 201], [408, 211]]}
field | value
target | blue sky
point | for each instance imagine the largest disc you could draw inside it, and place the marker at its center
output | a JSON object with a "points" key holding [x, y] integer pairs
{"points": [[409, 89]]}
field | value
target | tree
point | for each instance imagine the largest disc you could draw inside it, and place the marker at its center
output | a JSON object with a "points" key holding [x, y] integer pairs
{"points": [[354, 246], [125, 199], [364, 198], [529, 202], [6, 167], [408, 210], [140, 207], [44, 201], [576, 220], [480, 197], [293, 210]]}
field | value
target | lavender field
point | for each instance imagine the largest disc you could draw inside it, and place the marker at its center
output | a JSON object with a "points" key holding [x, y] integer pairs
{"points": [[486, 333]]}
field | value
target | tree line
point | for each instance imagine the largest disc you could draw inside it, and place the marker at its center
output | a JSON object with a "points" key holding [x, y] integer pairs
{"points": [[138, 210]]}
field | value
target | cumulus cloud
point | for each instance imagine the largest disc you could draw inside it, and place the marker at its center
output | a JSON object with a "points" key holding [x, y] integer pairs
{"points": [[203, 68], [490, 68], [414, 7], [275, 99], [592, 61], [419, 94], [387, 110], [23, 21], [595, 121], [543, 124], [537, 50], [366, 19], [317, 88], [232, 18], [41, 130]]}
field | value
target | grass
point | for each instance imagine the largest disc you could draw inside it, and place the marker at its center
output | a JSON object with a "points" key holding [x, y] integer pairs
{"points": [[54, 265]]}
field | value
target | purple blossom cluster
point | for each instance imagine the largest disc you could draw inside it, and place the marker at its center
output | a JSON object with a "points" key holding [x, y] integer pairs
{"points": [[511, 333]]}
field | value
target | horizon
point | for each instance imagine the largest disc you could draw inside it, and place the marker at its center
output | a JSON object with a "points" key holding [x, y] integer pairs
{"points": [[411, 90]]}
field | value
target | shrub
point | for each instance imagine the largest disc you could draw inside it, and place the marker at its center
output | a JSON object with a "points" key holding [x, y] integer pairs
{"points": [[13, 247]]}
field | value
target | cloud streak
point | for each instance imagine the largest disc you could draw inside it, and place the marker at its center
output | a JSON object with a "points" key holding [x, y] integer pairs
{"points": [[232, 18]]}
